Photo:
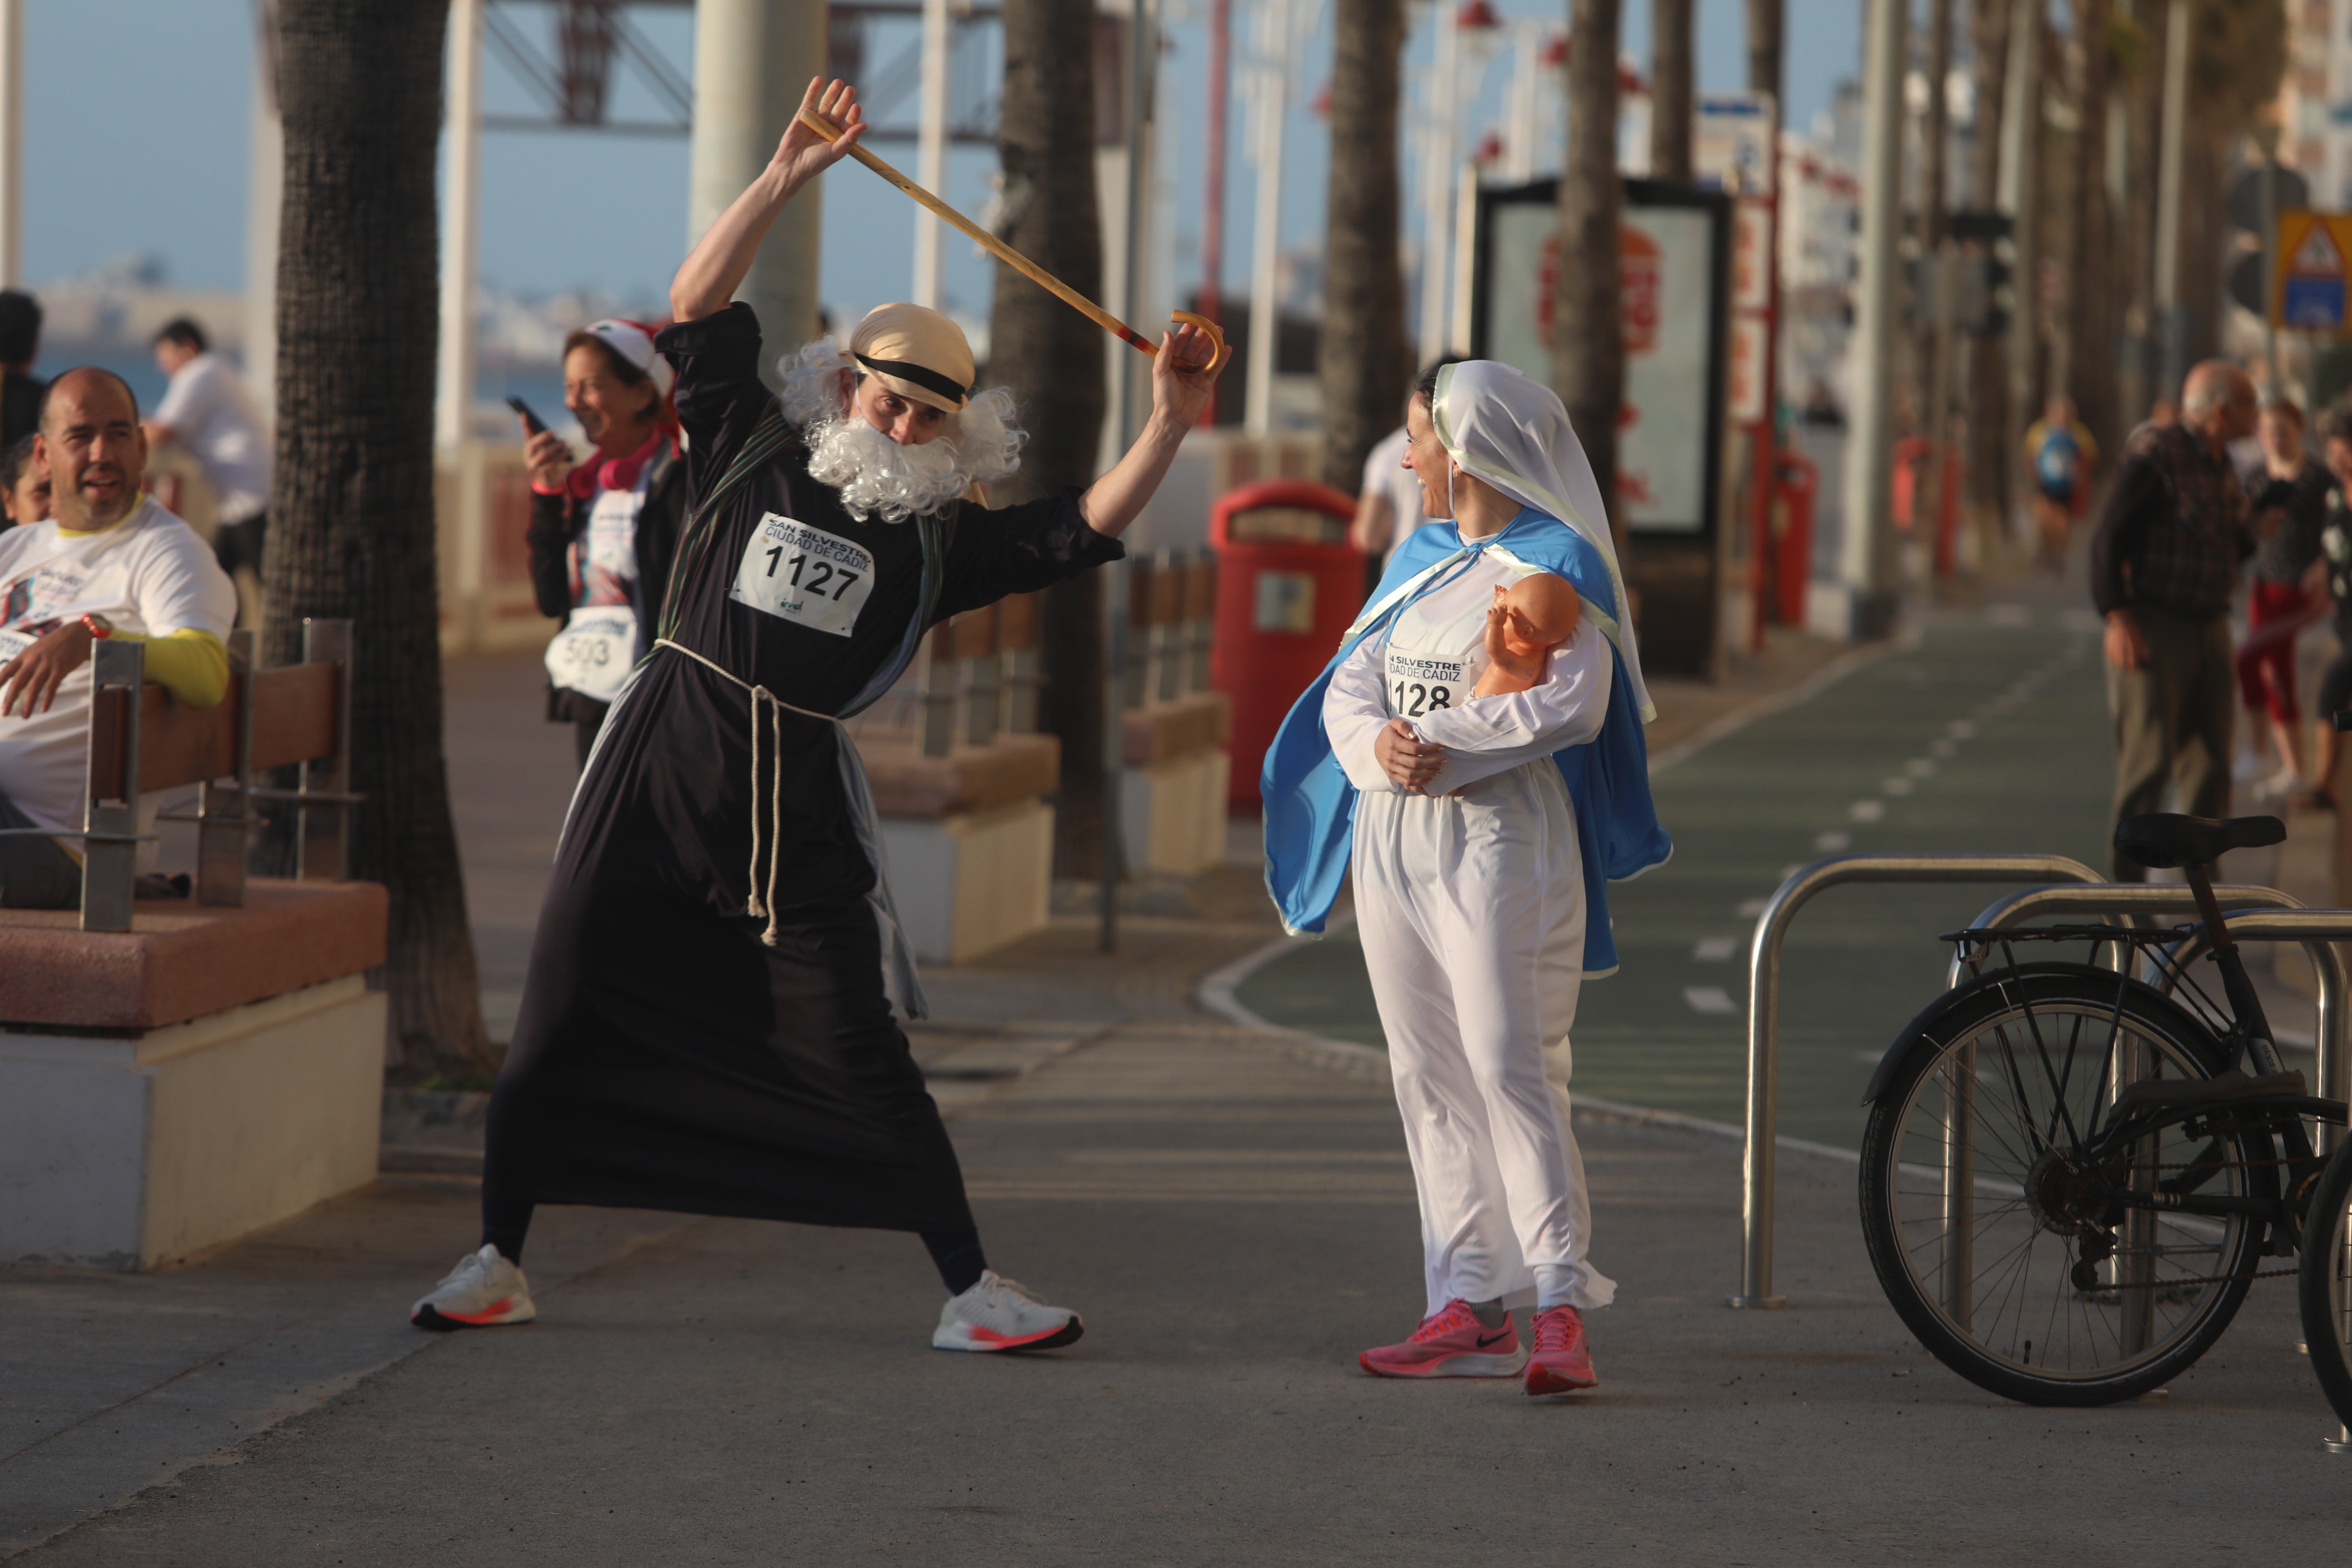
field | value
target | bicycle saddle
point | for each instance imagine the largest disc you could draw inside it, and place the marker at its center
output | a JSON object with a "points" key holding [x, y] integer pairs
{"points": [[2165, 839]]}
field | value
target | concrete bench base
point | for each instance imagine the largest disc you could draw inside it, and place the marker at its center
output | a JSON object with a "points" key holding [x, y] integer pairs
{"points": [[971, 882], [130, 1151], [1172, 814]]}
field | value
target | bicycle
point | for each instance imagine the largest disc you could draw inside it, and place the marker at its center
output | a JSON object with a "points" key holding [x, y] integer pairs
{"points": [[2068, 1175]]}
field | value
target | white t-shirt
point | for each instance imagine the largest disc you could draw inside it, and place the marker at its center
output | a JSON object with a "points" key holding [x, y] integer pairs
{"points": [[1384, 470], [207, 407], [1423, 669], [149, 574]]}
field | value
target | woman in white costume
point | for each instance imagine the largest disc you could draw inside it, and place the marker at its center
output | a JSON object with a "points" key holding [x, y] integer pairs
{"points": [[1470, 874]]}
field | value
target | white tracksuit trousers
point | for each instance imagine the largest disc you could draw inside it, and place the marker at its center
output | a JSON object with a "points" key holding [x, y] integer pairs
{"points": [[1471, 910]]}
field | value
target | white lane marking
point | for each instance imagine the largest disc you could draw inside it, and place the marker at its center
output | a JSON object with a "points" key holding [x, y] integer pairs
{"points": [[1866, 810], [1716, 949], [1919, 768], [1830, 843], [1748, 909], [1712, 999], [1944, 747], [1960, 730], [1897, 786]]}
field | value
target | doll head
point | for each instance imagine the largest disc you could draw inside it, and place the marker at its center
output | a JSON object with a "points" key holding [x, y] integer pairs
{"points": [[1541, 613]]}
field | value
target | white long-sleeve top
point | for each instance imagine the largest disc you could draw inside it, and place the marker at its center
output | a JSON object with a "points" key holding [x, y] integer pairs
{"points": [[1424, 672]]}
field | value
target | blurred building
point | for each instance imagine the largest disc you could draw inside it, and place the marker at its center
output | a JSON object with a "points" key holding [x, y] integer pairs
{"points": [[2315, 101]]}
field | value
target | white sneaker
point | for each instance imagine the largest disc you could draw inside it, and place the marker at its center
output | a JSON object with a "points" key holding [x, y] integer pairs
{"points": [[2278, 785], [998, 1315], [482, 1291]]}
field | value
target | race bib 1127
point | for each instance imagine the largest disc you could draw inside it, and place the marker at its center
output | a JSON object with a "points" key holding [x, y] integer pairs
{"points": [[803, 574]]}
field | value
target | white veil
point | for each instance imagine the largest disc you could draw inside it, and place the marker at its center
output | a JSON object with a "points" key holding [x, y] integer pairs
{"points": [[1512, 432]]}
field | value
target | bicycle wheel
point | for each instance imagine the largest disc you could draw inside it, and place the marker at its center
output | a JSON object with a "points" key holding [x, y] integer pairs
{"points": [[2006, 1250], [2326, 1286]]}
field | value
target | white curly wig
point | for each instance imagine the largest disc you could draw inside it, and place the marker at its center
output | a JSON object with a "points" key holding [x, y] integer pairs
{"points": [[875, 475]]}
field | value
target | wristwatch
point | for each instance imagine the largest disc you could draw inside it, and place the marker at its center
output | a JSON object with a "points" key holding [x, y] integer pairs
{"points": [[98, 626]]}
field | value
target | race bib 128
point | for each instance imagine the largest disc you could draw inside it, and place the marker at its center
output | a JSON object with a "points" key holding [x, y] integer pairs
{"points": [[803, 574], [1419, 685]]}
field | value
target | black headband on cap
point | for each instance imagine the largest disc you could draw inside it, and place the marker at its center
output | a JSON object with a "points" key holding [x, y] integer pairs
{"points": [[928, 379]]}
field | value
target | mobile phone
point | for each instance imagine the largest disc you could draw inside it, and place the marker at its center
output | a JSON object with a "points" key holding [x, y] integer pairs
{"points": [[530, 421]]}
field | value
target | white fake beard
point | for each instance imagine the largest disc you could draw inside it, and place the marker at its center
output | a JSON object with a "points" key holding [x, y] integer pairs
{"points": [[877, 475]]}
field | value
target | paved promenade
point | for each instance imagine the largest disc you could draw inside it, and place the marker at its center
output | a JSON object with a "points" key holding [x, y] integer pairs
{"points": [[1235, 1223]]}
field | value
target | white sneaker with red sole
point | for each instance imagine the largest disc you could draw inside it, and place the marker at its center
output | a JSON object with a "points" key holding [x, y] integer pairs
{"points": [[483, 1291], [998, 1315]]}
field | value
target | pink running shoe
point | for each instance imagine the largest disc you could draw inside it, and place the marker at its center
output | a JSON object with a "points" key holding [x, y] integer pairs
{"points": [[1561, 1363], [1449, 1343]]}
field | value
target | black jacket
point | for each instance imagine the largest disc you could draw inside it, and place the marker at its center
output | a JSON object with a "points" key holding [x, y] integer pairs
{"points": [[558, 522]]}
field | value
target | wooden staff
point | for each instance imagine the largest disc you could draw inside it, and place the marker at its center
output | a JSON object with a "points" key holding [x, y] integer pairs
{"points": [[1013, 258]]}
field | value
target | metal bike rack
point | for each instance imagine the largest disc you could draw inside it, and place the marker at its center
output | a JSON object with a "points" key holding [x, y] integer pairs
{"points": [[1760, 1165]]}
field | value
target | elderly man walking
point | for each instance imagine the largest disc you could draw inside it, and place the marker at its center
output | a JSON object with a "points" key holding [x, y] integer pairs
{"points": [[2164, 566]]}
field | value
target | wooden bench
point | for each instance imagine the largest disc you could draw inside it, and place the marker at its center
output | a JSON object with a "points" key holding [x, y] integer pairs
{"points": [[175, 1073]]}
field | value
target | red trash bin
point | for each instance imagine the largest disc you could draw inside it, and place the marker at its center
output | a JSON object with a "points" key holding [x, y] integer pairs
{"points": [[1283, 605]]}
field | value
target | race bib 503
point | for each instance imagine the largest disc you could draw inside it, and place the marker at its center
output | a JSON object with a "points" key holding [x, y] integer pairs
{"points": [[803, 574]]}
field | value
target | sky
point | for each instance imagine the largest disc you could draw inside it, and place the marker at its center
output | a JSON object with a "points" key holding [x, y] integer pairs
{"points": [[157, 167]]}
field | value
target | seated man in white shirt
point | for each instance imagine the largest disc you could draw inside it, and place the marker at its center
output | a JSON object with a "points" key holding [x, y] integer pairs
{"points": [[207, 410], [108, 561]]}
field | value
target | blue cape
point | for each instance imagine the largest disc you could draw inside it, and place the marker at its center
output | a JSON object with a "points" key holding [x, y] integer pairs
{"points": [[1310, 807]]}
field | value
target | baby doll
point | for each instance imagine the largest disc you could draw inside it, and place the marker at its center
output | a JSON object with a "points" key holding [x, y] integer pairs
{"points": [[1526, 621]]}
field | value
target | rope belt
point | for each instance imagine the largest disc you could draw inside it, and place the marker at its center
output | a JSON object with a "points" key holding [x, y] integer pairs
{"points": [[897, 956]]}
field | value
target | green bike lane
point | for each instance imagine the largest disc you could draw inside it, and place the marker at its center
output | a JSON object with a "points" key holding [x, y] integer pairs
{"points": [[1988, 730]]}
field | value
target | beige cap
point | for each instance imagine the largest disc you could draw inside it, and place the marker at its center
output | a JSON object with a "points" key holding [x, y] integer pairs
{"points": [[916, 353]]}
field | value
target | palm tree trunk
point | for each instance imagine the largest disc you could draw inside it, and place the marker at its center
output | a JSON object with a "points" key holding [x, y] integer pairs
{"points": [[1366, 364], [1588, 345], [352, 527], [1051, 357], [1987, 406], [1767, 38], [1671, 89], [2090, 283]]}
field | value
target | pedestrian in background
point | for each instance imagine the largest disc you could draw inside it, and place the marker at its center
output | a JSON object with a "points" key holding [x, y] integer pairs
{"points": [[602, 534], [1388, 502], [207, 410], [2061, 454], [2279, 602], [24, 485], [2335, 571], [2164, 567], [20, 344]]}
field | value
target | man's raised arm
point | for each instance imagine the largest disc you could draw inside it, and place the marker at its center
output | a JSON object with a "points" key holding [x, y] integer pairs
{"points": [[719, 263]]}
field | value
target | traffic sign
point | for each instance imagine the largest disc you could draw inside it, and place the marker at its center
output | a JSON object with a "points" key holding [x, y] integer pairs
{"points": [[2309, 290]]}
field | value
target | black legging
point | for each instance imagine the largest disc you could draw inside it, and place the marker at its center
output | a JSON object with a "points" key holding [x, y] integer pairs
{"points": [[956, 1253]]}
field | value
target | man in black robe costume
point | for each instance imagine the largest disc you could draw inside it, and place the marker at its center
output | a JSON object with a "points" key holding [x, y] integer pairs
{"points": [[707, 1022]]}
